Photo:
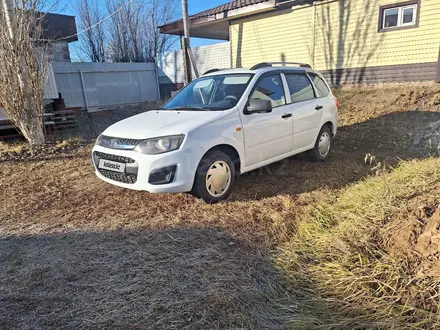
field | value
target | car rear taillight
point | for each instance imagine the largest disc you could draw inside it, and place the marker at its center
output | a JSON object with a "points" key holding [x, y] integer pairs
{"points": [[338, 105]]}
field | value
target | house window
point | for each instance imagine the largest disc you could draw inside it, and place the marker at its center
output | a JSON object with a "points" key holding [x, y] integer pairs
{"points": [[399, 16]]}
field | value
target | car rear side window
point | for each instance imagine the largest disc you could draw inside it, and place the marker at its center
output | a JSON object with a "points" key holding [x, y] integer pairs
{"points": [[270, 88], [320, 85], [300, 87]]}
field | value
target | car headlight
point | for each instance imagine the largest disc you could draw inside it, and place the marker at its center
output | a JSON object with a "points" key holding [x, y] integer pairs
{"points": [[160, 145], [99, 140]]}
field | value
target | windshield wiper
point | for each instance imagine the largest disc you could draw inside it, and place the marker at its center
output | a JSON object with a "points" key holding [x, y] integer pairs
{"points": [[186, 107]]}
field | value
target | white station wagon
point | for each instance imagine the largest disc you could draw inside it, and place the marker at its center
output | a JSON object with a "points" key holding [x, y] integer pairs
{"points": [[221, 125]]}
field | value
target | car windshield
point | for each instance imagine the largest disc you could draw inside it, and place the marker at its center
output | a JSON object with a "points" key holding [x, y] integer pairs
{"points": [[219, 92]]}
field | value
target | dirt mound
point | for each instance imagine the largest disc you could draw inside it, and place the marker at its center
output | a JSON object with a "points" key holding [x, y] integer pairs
{"points": [[413, 235]]}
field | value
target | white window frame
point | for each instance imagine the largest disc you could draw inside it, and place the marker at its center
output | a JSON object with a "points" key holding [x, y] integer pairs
{"points": [[400, 15]]}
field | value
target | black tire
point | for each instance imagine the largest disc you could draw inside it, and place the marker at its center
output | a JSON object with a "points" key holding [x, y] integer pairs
{"points": [[315, 154], [200, 189]]}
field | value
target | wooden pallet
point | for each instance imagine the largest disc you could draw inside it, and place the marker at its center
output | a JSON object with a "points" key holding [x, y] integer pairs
{"points": [[60, 121], [7, 130]]}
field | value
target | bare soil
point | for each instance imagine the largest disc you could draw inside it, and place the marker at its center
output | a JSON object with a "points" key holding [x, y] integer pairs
{"points": [[413, 235]]}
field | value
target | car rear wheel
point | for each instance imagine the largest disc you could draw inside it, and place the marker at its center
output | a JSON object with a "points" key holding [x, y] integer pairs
{"points": [[323, 144], [215, 177]]}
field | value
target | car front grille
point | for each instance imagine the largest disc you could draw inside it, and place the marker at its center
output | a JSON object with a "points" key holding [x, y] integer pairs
{"points": [[133, 142], [129, 178], [118, 143], [120, 177], [115, 158]]}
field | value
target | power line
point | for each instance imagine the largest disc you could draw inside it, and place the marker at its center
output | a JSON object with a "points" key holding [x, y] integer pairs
{"points": [[97, 23]]}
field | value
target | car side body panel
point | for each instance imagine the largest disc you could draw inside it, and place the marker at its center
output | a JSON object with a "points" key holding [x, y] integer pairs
{"points": [[227, 130]]}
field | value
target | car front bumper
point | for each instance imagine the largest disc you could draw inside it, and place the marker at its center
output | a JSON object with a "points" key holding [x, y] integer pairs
{"points": [[139, 167]]}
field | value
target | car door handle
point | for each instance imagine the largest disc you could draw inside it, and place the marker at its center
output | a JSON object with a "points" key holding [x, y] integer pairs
{"points": [[286, 115], [319, 107]]}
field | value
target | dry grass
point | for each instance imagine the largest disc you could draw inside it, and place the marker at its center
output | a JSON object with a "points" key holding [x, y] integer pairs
{"points": [[365, 103], [13, 146], [79, 253], [338, 257], [161, 279]]}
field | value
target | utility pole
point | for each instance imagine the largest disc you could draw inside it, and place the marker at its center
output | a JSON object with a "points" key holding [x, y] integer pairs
{"points": [[186, 43]]}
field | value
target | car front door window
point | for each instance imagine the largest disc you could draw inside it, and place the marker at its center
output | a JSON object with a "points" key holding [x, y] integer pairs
{"points": [[270, 88]]}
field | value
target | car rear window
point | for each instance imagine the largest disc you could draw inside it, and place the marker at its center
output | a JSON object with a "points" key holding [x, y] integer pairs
{"points": [[320, 85], [300, 87]]}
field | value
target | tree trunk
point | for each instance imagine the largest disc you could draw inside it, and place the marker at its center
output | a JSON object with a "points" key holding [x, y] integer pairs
{"points": [[23, 67], [33, 131]]}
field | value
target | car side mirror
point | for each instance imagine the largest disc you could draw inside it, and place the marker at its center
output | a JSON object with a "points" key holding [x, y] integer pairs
{"points": [[258, 106]]}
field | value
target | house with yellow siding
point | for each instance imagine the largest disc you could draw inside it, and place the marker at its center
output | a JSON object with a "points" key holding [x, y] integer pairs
{"points": [[349, 41]]}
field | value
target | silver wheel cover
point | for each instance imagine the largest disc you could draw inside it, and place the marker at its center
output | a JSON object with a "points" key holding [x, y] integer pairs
{"points": [[324, 144], [218, 178]]}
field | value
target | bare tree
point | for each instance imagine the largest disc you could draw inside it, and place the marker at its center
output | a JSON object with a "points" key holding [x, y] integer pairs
{"points": [[160, 15], [23, 67], [93, 41], [134, 33], [124, 28]]}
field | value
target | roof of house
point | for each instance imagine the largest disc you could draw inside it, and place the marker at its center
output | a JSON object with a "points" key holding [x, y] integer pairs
{"points": [[213, 23], [59, 27], [236, 4]]}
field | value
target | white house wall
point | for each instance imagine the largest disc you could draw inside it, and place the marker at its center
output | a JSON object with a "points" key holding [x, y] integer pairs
{"points": [[206, 58], [60, 51]]}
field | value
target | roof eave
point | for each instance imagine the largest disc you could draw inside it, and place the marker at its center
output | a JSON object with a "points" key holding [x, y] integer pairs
{"points": [[176, 27]]}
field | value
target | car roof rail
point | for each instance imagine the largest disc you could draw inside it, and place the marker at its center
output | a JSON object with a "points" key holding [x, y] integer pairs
{"points": [[260, 65], [211, 71], [267, 64]]}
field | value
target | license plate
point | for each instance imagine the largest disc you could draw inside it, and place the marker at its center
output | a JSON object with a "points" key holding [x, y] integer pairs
{"points": [[111, 166]]}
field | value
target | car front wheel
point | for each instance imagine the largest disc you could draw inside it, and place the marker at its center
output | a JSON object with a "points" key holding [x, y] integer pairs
{"points": [[215, 177]]}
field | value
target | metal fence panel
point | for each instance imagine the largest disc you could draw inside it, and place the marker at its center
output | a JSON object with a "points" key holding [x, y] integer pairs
{"points": [[50, 86], [95, 85]]}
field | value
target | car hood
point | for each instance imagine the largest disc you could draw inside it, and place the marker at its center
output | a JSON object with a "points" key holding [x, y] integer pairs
{"points": [[160, 123]]}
